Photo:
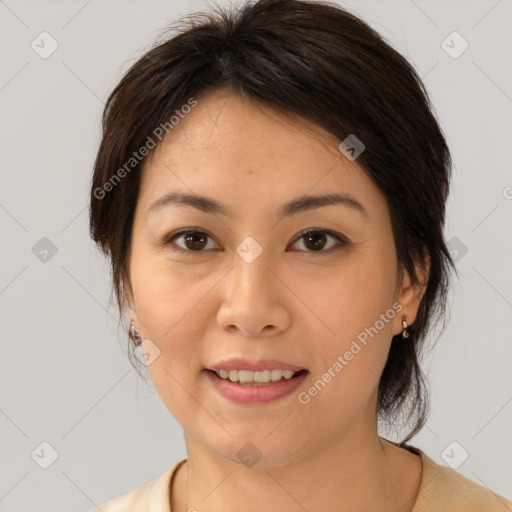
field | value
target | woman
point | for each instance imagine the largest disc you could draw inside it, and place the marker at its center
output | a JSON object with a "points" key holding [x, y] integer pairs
{"points": [[271, 187]]}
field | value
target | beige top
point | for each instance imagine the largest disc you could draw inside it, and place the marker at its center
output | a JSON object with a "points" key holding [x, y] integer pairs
{"points": [[442, 489]]}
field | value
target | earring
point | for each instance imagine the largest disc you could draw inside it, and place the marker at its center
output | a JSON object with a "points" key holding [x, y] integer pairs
{"points": [[405, 334], [134, 335]]}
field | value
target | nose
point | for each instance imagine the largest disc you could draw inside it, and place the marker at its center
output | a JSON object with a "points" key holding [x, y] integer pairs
{"points": [[254, 300]]}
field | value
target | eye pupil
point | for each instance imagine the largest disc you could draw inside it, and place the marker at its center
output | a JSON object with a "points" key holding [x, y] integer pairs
{"points": [[197, 238], [313, 237]]}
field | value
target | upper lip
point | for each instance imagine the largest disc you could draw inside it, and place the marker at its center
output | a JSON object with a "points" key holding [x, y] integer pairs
{"points": [[238, 363]]}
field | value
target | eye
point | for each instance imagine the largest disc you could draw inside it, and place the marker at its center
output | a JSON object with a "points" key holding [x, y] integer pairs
{"points": [[196, 240], [315, 240]]}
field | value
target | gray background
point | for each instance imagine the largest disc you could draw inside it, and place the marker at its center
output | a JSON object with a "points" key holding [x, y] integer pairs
{"points": [[63, 374]]}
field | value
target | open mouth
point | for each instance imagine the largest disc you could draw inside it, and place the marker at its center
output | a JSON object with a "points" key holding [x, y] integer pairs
{"points": [[257, 387], [256, 378]]}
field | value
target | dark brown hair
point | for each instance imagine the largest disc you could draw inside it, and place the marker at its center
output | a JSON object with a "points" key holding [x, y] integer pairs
{"points": [[316, 61]]}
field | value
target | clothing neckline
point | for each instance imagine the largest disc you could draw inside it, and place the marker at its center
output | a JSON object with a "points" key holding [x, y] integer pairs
{"points": [[425, 468]]}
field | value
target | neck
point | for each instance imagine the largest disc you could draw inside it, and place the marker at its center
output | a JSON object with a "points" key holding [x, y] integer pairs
{"points": [[358, 472]]}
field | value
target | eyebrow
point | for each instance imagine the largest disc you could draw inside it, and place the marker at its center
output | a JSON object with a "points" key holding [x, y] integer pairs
{"points": [[301, 204]]}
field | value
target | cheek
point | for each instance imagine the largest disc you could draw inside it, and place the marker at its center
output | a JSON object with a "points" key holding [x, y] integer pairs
{"points": [[352, 341], [171, 312], [351, 298], [168, 298]]}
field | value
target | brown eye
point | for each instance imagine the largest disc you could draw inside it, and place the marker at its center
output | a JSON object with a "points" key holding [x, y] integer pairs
{"points": [[195, 241], [316, 240], [192, 240]]}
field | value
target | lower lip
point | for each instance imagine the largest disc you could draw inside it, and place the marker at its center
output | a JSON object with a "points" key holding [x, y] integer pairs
{"points": [[254, 394]]}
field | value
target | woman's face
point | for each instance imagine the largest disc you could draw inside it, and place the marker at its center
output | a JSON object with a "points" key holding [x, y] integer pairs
{"points": [[248, 284]]}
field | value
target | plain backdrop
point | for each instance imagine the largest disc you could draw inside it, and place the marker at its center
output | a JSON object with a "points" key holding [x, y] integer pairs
{"points": [[70, 399]]}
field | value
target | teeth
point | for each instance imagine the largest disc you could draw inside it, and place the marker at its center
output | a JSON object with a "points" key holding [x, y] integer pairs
{"points": [[250, 377]]}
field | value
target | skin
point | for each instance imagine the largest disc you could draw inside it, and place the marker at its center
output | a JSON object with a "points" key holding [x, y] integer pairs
{"points": [[293, 303]]}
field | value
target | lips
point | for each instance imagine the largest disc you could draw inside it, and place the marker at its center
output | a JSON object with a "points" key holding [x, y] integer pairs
{"points": [[255, 394], [238, 363]]}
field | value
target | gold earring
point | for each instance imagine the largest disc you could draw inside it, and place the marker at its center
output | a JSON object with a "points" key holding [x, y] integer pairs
{"points": [[405, 334]]}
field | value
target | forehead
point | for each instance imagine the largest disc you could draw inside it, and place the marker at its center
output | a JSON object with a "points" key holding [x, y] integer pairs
{"points": [[221, 115], [239, 149]]}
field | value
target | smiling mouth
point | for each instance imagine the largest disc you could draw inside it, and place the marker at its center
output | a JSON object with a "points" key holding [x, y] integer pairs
{"points": [[256, 378]]}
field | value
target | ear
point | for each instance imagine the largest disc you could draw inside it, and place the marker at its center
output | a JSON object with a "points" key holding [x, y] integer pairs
{"points": [[409, 294]]}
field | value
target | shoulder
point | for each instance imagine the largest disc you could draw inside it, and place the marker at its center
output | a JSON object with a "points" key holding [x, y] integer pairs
{"points": [[152, 495], [443, 488]]}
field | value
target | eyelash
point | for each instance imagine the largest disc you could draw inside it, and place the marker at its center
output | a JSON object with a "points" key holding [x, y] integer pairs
{"points": [[168, 240]]}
